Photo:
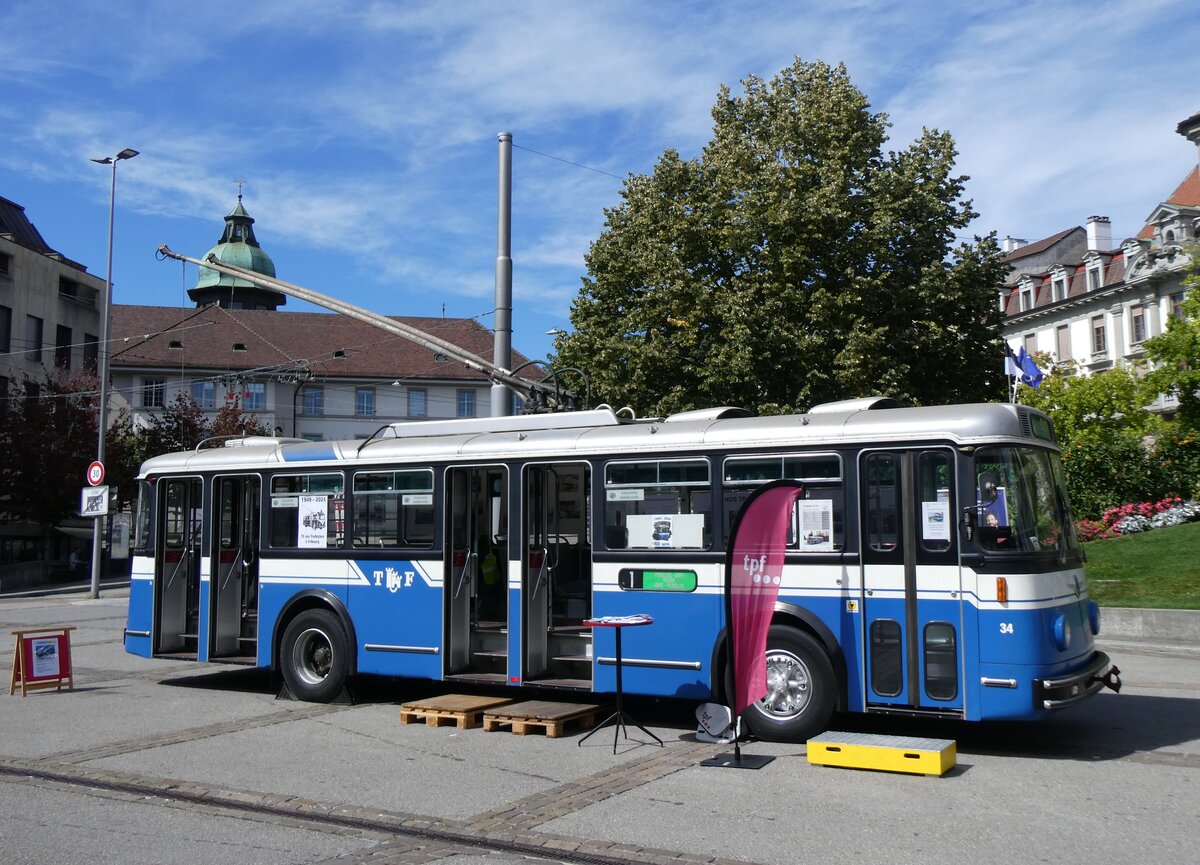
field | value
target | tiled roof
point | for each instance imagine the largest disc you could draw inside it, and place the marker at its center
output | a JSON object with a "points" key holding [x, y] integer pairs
{"points": [[14, 221], [270, 340], [1187, 194], [1040, 245]]}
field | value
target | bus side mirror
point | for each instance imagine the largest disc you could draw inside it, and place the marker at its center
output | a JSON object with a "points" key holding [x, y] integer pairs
{"points": [[988, 483]]}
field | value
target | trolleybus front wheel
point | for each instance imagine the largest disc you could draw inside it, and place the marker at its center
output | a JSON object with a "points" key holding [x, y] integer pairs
{"points": [[314, 658], [800, 688]]}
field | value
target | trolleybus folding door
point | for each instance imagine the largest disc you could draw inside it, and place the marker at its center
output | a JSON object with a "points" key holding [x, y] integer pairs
{"points": [[557, 582], [476, 593], [234, 602], [912, 599], [177, 566]]}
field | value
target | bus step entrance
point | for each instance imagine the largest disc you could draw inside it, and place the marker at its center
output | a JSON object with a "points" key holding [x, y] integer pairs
{"points": [[883, 753]]}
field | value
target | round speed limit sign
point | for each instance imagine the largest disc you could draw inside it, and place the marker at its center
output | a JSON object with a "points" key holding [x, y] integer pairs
{"points": [[95, 473]]}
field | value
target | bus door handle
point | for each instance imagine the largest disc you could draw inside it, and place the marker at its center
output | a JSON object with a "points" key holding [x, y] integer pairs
{"points": [[537, 584], [463, 575], [233, 566]]}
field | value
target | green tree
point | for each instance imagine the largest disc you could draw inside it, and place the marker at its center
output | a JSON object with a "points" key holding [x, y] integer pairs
{"points": [[1106, 402], [794, 262], [47, 439], [1176, 353]]}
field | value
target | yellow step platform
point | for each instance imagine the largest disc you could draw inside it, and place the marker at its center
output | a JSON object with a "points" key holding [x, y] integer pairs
{"points": [[883, 753]]}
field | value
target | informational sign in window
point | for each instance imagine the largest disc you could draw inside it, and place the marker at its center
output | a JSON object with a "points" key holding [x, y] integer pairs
{"points": [[312, 517], [935, 521], [815, 525]]}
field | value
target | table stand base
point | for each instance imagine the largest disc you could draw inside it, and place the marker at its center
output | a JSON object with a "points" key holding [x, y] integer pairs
{"points": [[619, 719]]}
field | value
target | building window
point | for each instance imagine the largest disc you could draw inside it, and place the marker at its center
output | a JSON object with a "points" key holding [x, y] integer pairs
{"points": [[91, 352], [1026, 298], [1177, 305], [62, 348], [5, 263], [1030, 343], [518, 404], [1099, 335], [256, 396], [417, 400], [466, 403], [314, 399], [154, 392], [33, 338], [364, 401], [1093, 278], [1063, 341], [1137, 321], [1058, 288], [5, 329], [205, 394]]}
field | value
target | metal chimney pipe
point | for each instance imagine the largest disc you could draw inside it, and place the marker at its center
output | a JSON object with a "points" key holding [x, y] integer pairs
{"points": [[502, 354]]}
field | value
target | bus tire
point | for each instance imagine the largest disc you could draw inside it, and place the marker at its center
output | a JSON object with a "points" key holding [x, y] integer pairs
{"points": [[315, 657], [800, 688]]}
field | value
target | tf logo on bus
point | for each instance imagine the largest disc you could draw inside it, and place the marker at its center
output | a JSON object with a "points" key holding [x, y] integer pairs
{"points": [[395, 579]]}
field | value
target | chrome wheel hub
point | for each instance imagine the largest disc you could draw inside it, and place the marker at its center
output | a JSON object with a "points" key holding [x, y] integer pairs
{"points": [[788, 685]]}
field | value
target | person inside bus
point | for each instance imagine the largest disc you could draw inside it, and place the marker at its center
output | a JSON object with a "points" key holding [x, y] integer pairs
{"points": [[992, 534]]}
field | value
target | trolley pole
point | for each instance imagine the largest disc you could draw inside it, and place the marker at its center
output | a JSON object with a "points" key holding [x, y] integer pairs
{"points": [[502, 352]]}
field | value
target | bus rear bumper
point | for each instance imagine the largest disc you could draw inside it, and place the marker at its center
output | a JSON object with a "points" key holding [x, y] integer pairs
{"points": [[1062, 691]]}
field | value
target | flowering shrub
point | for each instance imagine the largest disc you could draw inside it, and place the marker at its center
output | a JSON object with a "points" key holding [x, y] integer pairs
{"points": [[1135, 523], [1136, 517]]}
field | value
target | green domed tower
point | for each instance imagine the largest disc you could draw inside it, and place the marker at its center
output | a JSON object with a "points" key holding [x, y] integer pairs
{"points": [[239, 247]]}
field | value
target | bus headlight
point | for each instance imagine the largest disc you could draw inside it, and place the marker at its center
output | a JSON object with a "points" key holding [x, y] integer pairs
{"points": [[1094, 616], [1062, 632]]}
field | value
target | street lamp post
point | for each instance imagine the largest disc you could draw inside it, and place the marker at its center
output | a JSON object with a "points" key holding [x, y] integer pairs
{"points": [[106, 322]]}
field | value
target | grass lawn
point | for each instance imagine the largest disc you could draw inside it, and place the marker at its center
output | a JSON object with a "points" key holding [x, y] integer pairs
{"points": [[1158, 569]]}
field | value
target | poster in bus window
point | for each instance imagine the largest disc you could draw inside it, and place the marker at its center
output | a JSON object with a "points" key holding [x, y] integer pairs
{"points": [[995, 515], [815, 525], [935, 521], [312, 517]]}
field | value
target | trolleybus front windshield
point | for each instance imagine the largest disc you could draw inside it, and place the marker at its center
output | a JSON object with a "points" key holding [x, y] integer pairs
{"points": [[1022, 503]]}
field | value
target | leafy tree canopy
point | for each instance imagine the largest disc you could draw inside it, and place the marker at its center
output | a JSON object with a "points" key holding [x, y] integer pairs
{"points": [[47, 439], [794, 262], [1176, 353]]}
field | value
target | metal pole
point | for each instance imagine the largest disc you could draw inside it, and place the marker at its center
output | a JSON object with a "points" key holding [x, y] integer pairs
{"points": [[106, 323], [502, 353]]}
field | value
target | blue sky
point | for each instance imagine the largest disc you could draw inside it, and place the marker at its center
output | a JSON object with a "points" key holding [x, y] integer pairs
{"points": [[366, 132]]}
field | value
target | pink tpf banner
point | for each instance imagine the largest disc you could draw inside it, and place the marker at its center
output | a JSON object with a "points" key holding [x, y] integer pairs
{"points": [[756, 564]]}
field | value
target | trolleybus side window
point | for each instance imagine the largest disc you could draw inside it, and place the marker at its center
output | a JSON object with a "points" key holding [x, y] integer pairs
{"points": [[883, 502], [933, 479], [307, 511], [393, 509], [818, 520], [143, 526], [658, 504]]}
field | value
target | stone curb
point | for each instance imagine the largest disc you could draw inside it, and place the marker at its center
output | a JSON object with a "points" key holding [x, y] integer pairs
{"points": [[1159, 626]]}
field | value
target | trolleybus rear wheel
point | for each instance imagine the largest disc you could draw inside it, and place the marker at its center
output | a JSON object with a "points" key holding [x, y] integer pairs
{"points": [[800, 688], [314, 657]]}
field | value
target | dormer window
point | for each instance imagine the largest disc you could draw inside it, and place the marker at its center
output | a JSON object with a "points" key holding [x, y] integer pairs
{"points": [[1026, 297], [175, 345], [239, 346], [1058, 288], [1094, 279], [440, 358]]}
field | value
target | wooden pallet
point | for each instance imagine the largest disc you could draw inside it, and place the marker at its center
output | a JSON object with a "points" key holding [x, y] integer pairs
{"points": [[464, 711], [540, 715]]}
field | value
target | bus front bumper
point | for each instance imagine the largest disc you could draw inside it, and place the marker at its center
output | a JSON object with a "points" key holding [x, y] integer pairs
{"points": [[1063, 691]]}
